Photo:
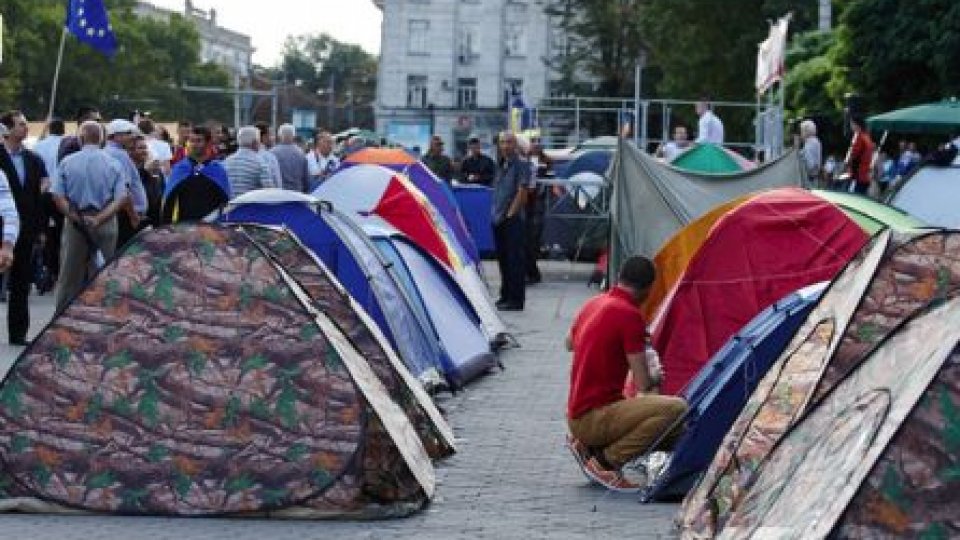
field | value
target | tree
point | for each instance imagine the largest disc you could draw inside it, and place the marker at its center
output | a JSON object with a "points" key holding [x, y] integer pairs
{"points": [[155, 57], [319, 63]]}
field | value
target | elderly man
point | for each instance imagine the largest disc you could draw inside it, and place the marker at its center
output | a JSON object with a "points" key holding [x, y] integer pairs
{"points": [[509, 199], [27, 177], [321, 161], [90, 188], [120, 134], [294, 170], [245, 170]]}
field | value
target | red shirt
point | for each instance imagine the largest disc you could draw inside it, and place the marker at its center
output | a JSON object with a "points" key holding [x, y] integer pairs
{"points": [[607, 329], [861, 156]]}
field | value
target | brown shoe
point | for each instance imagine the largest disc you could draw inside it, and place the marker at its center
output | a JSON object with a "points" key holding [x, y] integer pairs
{"points": [[612, 480]]}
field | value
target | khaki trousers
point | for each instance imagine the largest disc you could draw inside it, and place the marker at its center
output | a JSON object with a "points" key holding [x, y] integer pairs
{"points": [[628, 428], [75, 261]]}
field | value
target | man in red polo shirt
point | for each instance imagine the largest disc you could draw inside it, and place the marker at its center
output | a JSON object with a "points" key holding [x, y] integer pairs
{"points": [[609, 339]]}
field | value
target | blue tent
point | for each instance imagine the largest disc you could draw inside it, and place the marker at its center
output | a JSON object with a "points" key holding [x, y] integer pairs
{"points": [[440, 298], [721, 389], [594, 161], [353, 259]]}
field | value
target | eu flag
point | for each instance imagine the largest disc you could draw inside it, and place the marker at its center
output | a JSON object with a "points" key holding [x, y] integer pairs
{"points": [[88, 20]]}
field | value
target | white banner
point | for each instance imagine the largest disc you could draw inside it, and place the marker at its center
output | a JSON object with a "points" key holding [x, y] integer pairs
{"points": [[771, 57]]}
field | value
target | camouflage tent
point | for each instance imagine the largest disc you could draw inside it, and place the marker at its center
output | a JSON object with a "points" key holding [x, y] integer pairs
{"points": [[854, 430], [197, 376]]}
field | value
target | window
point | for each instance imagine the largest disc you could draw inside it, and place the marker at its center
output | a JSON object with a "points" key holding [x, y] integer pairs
{"points": [[515, 43], [511, 88], [417, 91], [467, 43], [418, 30], [467, 93]]}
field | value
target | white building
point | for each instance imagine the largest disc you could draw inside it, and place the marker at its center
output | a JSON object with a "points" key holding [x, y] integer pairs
{"points": [[232, 50], [448, 66]]}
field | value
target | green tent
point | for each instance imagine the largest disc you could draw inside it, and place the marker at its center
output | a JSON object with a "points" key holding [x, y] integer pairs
{"points": [[871, 215], [710, 159], [935, 118]]}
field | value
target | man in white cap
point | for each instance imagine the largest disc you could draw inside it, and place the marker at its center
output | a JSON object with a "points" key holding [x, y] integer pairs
{"points": [[120, 134]]}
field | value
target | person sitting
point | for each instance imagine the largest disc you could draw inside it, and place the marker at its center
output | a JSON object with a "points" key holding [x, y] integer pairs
{"points": [[609, 339]]}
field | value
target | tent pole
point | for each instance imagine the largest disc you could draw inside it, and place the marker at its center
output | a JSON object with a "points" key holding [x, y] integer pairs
{"points": [[56, 74]]}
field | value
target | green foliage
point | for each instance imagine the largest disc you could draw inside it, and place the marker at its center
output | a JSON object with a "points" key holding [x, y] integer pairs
{"points": [[891, 486], [148, 408], [296, 452], [232, 413], [257, 361], [157, 453], [309, 331], [182, 484], [61, 355], [196, 363], [173, 333], [118, 361], [286, 407], [239, 483], [155, 57], [19, 443], [11, 396]]}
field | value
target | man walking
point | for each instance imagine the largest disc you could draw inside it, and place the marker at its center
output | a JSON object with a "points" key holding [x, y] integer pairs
{"points": [[27, 176], [609, 340], [89, 190], [509, 198], [294, 170], [245, 170]]}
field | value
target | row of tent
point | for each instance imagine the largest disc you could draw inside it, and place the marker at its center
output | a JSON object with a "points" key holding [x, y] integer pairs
{"points": [[274, 360], [814, 335]]}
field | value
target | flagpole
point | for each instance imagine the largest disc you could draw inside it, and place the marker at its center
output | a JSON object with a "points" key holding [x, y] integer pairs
{"points": [[56, 74]]}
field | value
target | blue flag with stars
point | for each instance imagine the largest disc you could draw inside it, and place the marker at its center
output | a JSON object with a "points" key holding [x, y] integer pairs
{"points": [[88, 20]]}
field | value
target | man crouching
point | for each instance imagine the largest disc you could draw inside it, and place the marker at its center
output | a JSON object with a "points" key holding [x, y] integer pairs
{"points": [[609, 339]]}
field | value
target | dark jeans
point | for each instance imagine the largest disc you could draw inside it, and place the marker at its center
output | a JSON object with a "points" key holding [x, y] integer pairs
{"points": [[509, 237], [21, 277], [860, 187]]}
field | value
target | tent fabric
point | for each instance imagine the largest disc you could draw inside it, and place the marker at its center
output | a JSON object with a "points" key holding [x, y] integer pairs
{"points": [[652, 201], [674, 257], [872, 216], [722, 387], [437, 192], [380, 156], [329, 296], [709, 158], [449, 310], [367, 190], [355, 262], [935, 118], [932, 195], [775, 243], [194, 191], [895, 278], [193, 376], [833, 448], [593, 161], [475, 203]]}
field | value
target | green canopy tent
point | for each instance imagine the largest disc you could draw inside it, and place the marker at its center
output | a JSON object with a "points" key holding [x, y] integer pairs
{"points": [[932, 118], [871, 215], [711, 159]]}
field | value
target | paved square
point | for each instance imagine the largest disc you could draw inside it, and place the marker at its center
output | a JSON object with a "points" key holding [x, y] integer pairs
{"points": [[512, 477]]}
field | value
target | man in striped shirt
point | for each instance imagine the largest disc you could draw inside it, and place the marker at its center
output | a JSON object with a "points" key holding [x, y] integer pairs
{"points": [[245, 169]]}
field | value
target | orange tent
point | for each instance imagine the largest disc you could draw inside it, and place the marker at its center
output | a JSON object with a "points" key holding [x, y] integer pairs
{"points": [[675, 255], [380, 156]]}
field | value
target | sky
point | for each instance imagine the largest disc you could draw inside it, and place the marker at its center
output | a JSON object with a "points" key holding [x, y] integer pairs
{"points": [[269, 22]]}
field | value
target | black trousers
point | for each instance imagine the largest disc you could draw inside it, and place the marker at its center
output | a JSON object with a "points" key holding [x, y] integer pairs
{"points": [[533, 238], [509, 236], [18, 287]]}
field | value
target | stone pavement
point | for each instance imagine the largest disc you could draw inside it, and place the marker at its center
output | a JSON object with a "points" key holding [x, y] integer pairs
{"points": [[512, 477]]}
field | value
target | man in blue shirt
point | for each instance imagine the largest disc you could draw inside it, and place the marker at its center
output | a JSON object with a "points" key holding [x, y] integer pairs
{"points": [[89, 190], [509, 198]]}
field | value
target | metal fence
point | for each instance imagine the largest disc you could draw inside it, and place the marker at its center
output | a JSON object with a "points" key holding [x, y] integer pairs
{"points": [[565, 122]]}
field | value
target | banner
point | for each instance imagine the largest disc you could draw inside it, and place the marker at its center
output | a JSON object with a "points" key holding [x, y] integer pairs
{"points": [[771, 64]]}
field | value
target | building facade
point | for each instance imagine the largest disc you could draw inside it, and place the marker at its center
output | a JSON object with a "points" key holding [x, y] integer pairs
{"points": [[230, 49], [449, 67]]}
